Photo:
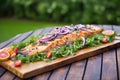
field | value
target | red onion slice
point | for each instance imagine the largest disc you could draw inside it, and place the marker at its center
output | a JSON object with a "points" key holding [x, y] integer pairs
{"points": [[48, 38], [62, 31], [84, 41]]}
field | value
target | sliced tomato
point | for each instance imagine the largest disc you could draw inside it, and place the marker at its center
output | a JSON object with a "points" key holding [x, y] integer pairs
{"points": [[49, 55], [14, 53], [4, 55], [17, 63], [15, 50], [108, 32], [105, 40]]}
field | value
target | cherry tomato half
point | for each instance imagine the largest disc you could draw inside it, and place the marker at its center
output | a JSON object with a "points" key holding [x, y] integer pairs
{"points": [[49, 55], [17, 63]]}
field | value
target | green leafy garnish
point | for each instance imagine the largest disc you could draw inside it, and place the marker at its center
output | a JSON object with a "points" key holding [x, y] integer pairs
{"points": [[23, 44], [63, 51]]}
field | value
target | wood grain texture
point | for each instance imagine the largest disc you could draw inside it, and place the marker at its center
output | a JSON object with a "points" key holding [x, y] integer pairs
{"points": [[118, 60], [43, 76], [116, 28], [7, 76], [109, 71], [76, 70], [60, 73], [93, 68], [21, 38], [2, 70], [2, 45], [107, 27]]}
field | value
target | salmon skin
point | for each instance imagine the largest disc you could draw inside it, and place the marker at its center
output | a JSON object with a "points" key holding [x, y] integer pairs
{"points": [[76, 32]]}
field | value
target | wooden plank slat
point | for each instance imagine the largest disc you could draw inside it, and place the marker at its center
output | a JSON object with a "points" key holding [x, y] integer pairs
{"points": [[109, 69], [116, 28], [7, 76], [107, 27], [76, 70], [9, 41], [60, 73], [93, 68], [118, 61], [2, 70], [21, 38], [43, 76]]}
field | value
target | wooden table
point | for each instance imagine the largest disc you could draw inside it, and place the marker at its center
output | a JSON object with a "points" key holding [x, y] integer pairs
{"points": [[105, 66]]}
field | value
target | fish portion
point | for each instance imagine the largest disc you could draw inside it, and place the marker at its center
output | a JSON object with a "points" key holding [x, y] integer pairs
{"points": [[68, 36]]}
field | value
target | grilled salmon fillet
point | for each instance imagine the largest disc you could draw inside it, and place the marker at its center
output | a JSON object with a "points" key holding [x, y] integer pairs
{"points": [[68, 38]]}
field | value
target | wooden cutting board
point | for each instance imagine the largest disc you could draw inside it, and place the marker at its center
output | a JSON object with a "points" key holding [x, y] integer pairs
{"points": [[32, 69]]}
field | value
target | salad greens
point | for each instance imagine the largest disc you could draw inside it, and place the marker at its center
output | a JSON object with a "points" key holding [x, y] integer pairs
{"points": [[63, 51]]}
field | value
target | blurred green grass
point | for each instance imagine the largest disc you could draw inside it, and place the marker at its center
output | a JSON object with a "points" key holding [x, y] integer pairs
{"points": [[12, 27]]}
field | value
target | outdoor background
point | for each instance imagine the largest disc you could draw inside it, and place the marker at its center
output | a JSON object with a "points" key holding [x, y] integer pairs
{"points": [[18, 16]]}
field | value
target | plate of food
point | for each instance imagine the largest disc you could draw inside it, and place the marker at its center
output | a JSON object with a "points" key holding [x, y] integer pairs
{"points": [[42, 53]]}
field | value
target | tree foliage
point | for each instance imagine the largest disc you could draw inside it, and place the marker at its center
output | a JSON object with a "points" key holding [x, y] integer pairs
{"points": [[74, 11]]}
